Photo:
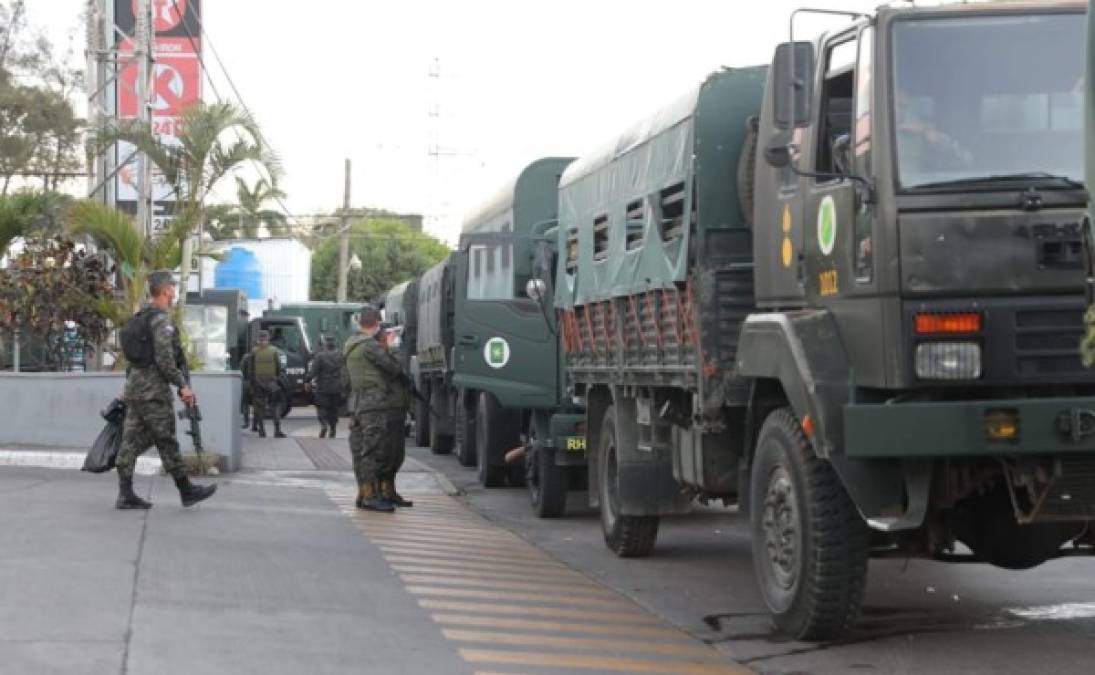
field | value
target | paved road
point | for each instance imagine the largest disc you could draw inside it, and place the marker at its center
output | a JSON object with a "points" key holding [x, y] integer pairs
{"points": [[279, 573], [919, 617]]}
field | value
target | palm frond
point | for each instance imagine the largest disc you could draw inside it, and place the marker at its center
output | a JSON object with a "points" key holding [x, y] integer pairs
{"points": [[111, 229]]}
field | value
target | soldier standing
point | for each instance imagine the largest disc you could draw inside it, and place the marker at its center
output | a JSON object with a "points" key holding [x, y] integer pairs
{"points": [[325, 378], [150, 412], [396, 438], [377, 406], [266, 371]]}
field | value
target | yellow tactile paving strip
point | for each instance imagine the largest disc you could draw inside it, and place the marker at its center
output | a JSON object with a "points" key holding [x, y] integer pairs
{"points": [[506, 604]]}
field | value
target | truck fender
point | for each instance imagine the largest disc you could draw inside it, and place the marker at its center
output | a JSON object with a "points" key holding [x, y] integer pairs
{"points": [[803, 352]]}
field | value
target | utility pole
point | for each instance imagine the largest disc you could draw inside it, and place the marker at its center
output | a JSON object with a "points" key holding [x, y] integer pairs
{"points": [[344, 239], [145, 92]]}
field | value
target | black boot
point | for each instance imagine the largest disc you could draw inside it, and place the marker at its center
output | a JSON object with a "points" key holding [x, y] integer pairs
{"points": [[372, 500], [192, 494], [261, 429], [331, 431], [323, 431], [127, 498], [387, 489], [277, 429]]}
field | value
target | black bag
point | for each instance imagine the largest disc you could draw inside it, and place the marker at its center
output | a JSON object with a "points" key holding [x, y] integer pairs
{"points": [[136, 338], [104, 451]]}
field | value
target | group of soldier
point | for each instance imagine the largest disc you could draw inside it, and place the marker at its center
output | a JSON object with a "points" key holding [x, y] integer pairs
{"points": [[366, 374]]}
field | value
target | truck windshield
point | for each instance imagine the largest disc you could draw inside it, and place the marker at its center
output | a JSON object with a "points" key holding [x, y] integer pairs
{"points": [[993, 97]]}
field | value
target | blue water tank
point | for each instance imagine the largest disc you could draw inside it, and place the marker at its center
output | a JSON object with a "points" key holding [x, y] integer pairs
{"points": [[239, 269]]}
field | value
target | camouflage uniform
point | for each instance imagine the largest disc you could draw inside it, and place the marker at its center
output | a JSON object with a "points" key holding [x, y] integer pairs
{"points": [[378, 404], [325, 374], [150, 410], [265, 390]]}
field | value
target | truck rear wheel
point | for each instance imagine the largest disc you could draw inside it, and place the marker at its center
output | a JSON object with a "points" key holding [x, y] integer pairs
{"points": [[465, 432], [547, 482], [495, 434], [626, 536], [810, 545], [422, 423], [440, 444]]}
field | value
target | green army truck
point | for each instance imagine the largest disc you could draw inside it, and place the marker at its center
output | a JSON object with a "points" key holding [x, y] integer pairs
{"points": [[846, 294], [321, 319], [400, 306], [432, 363], [507, 375]]}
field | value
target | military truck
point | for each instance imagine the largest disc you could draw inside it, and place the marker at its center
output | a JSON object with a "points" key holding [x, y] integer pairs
{"points": [[845, 293], [434, 425], [321, 319], [400, 306], [507, 376]]}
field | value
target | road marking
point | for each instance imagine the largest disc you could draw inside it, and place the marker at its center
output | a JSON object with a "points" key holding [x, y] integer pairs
{"points": [[635, 616], [402, 549], [558, 576], [495, 583], [506, 596], [591, 662], [510, 604], [561, 626], [506, 639]]}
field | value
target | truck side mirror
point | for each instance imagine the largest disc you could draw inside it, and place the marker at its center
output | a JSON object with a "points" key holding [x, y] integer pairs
{"points": [[792, 84], [778, 155], [536, 289]]}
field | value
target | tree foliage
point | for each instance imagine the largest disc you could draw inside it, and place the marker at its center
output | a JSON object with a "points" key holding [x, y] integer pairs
{"points": [[249, 214], [214, 140], [52, 288], [40, 133], [390, 251]]}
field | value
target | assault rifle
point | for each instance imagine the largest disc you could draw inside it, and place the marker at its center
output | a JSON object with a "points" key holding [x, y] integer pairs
{"points": [[193, 414]]}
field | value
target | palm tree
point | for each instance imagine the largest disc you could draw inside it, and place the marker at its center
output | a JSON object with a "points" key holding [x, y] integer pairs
{"points": [[20, 213], [135, 255], [244, 218], [203, 155]]}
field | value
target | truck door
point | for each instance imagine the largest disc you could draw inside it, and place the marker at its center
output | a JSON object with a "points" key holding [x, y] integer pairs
{"points": [[505, 343], [833, 201]]}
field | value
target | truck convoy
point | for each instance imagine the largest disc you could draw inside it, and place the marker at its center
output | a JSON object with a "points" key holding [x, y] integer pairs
{"points": [[844, 292]]}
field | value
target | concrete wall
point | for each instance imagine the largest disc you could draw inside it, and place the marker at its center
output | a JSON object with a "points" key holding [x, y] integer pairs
{"points": [[62, 410]]}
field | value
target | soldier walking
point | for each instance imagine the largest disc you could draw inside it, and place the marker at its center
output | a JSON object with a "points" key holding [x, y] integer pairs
{"points": [[266, 370], [150, 412], [325, 378], [378, 407]]}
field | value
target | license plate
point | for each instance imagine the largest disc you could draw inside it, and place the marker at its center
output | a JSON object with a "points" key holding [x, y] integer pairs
{"points": [[575, 444], [294, 371]]}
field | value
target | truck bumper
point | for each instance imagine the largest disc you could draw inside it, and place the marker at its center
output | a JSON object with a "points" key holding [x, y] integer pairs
{"points": [[1052, 426]]}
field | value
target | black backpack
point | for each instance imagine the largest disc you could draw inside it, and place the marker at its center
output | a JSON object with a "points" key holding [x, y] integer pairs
{"points": [[136, 338]]}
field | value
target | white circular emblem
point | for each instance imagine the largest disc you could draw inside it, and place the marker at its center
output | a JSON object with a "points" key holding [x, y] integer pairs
{"points": [[496, 352], [826, 225]]}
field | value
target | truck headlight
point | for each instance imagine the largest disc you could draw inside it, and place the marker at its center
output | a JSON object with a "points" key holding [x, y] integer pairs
{"points": [[948, 361]]}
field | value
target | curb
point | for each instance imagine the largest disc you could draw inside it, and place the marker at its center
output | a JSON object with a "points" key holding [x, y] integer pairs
{"points": [[54, 459]]}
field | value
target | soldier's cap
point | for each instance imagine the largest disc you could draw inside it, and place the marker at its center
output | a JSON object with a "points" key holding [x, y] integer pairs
{"points": [[369, 314], [264, 336], [159, 279], [330, 341]]}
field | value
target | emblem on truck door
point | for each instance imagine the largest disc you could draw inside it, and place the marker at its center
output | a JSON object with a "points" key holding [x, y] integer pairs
{"points": [[496, 352], [826, 225]]}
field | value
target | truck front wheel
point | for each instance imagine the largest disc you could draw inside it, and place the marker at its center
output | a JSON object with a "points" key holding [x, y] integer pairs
{"points": [[810, 546], [547, 482], [465, 431], [495, 434], [626, 536]]}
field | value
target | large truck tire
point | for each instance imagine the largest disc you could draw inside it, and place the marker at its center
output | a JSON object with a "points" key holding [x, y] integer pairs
{"points": [[626, 536], [440, 443], [547, 483], [810, 545], [496, 432], [422, 423], [465, 432]]}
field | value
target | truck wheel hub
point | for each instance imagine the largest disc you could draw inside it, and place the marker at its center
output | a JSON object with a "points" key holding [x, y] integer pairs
{"points": [[780, 522]]}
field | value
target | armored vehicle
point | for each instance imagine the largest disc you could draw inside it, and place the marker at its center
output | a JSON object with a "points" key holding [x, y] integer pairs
{"points": [[400, 306], [321, 319], [846, 294], [506, 368]]}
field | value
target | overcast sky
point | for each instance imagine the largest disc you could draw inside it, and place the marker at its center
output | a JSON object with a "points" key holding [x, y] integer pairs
{"points": [[331, 79]]}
